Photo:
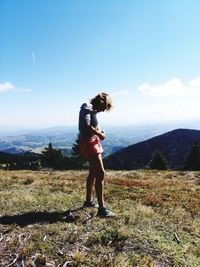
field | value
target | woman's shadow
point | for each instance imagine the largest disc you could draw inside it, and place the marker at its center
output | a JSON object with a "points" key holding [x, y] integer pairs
{"points": [[40, 217]]}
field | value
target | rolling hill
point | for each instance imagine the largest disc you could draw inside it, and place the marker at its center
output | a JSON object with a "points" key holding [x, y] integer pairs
{"points": [[174, 146]]}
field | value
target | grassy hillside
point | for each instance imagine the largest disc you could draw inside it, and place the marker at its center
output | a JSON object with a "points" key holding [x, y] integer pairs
{"points": [[42, 222]]}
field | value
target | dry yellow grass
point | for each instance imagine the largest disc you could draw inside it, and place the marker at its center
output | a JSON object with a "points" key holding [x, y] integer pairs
{"points": [[42, 222]]}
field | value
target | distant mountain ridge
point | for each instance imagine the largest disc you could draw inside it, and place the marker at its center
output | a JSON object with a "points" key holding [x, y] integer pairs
{"points": [[63, 137], [16, 141], [21, 141], [174, 145]]}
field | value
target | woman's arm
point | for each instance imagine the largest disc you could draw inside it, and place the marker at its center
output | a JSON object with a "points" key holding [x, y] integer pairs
{"points": [[97, 132]]}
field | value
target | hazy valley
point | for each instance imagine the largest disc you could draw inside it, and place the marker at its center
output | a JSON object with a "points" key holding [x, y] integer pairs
{"points": [[18, 141]]}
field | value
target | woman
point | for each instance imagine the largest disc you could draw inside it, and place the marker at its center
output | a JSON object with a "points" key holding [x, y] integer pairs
{"points": [[90, 136]]}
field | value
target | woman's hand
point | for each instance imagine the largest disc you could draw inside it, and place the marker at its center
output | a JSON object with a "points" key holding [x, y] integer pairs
{"points": [[102, 135], [96, 131]]}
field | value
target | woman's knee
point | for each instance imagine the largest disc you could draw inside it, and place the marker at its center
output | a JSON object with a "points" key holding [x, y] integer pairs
{"points": [[97, 168]]}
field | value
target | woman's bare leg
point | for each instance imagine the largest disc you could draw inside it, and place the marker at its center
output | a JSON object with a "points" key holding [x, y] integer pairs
{"points": [[98, 171], [90, 185]]}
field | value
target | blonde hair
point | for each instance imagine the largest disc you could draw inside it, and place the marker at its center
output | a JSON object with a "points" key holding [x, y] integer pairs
{"points": [[102, 98]]}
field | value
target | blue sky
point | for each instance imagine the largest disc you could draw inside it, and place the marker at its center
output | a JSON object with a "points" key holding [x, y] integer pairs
{"points": [[57, 54]]}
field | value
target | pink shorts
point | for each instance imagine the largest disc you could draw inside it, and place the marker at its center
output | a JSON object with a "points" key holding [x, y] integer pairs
{"points": [[90, 147]]}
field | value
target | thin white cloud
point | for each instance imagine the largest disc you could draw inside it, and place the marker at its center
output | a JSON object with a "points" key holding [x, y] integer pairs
{"points": [[171, 87], [33, 57], [7, 86], [195, 82]]}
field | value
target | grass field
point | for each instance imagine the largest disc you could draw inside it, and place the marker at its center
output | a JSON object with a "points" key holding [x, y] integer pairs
{"points": [[42, 222]]}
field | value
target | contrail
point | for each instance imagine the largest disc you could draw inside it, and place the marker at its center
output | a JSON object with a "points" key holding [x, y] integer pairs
{"points": [[33, 57]]}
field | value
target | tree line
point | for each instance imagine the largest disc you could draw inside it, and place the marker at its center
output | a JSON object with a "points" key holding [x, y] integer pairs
{"points": [[192, 161], [52, 158]]}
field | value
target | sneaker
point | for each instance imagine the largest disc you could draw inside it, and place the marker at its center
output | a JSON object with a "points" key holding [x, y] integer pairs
{"points": [[105, 213], [90, 204]]}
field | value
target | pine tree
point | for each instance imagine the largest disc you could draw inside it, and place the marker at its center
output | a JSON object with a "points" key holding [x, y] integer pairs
{"points": [[77, 157], [193, 158], [158, 162], [76, 150], [51, 157]]}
